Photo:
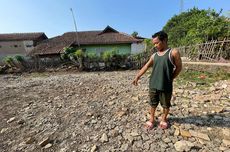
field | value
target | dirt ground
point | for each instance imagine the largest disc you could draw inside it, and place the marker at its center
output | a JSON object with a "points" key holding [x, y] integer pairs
{"points": [[102, 111]]}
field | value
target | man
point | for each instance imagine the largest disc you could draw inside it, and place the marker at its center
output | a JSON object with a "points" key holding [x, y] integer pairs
{"points": [[166, 64]]}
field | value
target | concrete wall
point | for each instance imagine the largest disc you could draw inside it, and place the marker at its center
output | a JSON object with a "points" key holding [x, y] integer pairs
{"points": [[137, 48], [12, 48], [98, 49]]}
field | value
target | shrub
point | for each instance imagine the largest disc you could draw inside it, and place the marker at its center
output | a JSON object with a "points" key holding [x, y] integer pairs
{"points": [[107, 55], [79, 53], [8, 60], [19, 58]]}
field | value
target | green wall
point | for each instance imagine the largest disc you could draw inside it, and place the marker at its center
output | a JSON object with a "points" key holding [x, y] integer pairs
{"points": [[120, 48]]}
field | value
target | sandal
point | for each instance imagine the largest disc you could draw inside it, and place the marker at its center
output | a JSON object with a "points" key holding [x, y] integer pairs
{"points": [[149, 125], [163, 125]]}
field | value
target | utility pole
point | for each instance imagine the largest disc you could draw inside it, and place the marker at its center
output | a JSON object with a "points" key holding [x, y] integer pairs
{"points": [[75, 25]]}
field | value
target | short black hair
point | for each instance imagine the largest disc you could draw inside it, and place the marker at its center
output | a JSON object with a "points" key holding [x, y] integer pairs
{"points": [[161, 35]]}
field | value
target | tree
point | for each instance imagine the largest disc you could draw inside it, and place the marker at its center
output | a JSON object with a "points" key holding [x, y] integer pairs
{"points": [[196, 26], [74, 55], [134, 34]]}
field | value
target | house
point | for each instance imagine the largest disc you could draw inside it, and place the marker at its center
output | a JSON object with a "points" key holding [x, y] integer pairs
{"points": [[90, 41], [19, 43]]}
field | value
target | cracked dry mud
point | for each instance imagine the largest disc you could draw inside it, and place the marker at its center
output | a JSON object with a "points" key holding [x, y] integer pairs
{"points": [[102, 111]]}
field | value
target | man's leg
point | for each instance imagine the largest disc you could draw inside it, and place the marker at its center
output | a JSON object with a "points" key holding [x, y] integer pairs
{"points": [[165, 114], [154, 101], [165, 98], [152, 114]]}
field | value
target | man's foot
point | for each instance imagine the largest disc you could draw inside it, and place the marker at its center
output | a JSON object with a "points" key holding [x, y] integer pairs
{"points": [[149, 125], [163, 125]]}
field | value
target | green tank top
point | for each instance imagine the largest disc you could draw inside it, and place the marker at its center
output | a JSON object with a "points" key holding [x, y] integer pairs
{"points": [[162, 72]]}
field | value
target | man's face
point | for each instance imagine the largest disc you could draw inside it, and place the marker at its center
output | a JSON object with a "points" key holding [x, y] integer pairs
{"points": [[158, 44]]}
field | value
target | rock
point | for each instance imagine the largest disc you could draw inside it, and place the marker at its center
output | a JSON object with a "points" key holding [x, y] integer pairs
{"points": [[114, 133], [29, 140], [11, 120], [185, 133], [138, 144], [177, 132], [221, 148], [73, 109], [209, 129], [124, 147], [167, 140], [183, 145], [21, 121], [48, 146], [226, 133], [135, 98], [104, 138], [44, 142], [226, 142], [119, 114], [199, 135], [128, 137], [224, 86], [134, 133], [4, 130], [94, 148], [219, 109], [144, 137]]}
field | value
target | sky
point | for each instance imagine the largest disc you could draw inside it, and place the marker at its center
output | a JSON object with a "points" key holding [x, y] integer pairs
{"points": [[53, 17]]}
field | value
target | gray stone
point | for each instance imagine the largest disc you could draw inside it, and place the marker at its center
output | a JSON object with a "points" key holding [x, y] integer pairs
{"points": [[48, 146], [94, 148], [226, 142], [183, 145], [44, 142], [226, 133], [124, 147], [11, 120], [104, 138]]}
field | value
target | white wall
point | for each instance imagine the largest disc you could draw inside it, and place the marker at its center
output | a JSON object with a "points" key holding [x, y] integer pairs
{"points": [[12, 48], [137, 48]]}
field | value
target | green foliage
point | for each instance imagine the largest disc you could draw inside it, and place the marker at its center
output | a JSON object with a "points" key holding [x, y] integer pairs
{"points": [[79, 53], [92, 56], [19, 58], [8, 60], [107, 55], [71, 53], [67, 52], [137, 57], [149, 44], [196, 26], [134, 34], [63, 56], [201, 77]]}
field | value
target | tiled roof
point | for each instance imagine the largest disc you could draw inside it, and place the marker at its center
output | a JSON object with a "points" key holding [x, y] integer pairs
{"points": [[21, 36], [107, 36]]}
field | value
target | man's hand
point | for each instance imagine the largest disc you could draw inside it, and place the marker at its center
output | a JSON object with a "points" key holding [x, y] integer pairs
{"points": [[143, 70], [135, 81]]}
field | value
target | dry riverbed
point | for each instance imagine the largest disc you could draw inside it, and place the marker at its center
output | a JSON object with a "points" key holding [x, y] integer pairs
{"points": [[102, 111]]}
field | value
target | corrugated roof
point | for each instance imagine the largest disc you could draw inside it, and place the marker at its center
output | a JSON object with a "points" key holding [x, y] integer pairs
{"points": [[21, 36], [107, 36]]}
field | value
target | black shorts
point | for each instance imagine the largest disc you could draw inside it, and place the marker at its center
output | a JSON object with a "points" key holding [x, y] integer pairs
{"points": [[157, 96]]}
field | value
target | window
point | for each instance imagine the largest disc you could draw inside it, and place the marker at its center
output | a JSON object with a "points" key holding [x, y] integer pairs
{"points": [[29, 45], [15, 46]]}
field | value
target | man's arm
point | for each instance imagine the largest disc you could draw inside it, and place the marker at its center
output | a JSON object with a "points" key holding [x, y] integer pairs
{"points": [[143, 70], [177, 62]]}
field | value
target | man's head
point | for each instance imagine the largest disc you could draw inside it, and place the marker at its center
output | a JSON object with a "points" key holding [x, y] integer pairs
{"points": [[160, 40]]}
